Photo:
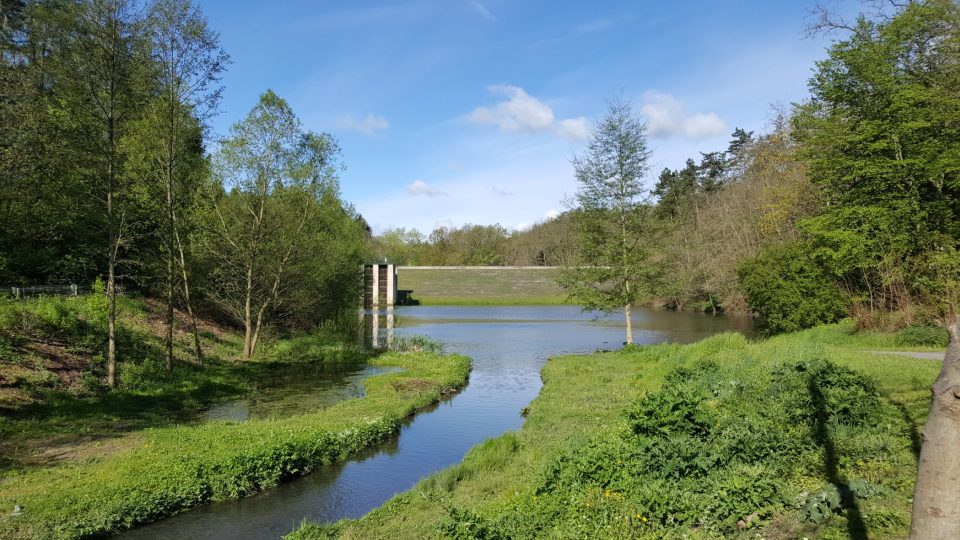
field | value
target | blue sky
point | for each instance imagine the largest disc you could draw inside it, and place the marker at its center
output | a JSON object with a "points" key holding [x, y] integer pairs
{"points": [[459, 111]]}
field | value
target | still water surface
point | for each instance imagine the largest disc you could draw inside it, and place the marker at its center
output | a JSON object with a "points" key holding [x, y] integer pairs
{"points": [[508, 346]]}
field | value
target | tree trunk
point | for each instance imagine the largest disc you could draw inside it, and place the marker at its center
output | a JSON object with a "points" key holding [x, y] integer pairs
{"points": [[936, 506], [626, 314], [112, 299], [111, 276], [256, 332], [186, 299], [169, 266], [247, 317]]}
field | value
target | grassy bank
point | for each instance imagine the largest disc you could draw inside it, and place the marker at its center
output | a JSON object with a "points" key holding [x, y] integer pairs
{"points": [[803, 435], [54, 403], [83, 460], [482, 286], [179, 467]]}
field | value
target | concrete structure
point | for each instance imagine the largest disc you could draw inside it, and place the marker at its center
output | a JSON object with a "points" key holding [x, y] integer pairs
{"points": [[379, 286]]}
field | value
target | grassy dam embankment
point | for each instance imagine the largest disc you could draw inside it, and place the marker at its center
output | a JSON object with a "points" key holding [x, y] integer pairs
{"points": [[482, 285]]}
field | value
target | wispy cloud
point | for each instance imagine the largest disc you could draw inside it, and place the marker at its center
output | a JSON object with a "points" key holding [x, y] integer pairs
{"points": [[574, 129], [583, 29], [419, 187], [502, 192], [483, 11], [368, 126], [599, 24], [365, 16], [667, 117]]}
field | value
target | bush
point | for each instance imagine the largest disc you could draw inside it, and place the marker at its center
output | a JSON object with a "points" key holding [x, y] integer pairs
{"points": [[922, 336], [790, 291]]}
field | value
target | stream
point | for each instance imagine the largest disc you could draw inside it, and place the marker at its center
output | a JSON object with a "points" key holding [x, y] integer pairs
{"points": [[508, 346]]}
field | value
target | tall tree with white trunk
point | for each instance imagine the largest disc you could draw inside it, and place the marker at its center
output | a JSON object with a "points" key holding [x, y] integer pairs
{"points": [[610, 216]]}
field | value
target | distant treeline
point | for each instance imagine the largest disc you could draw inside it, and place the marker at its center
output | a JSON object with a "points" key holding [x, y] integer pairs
{"points": [[849, 204]]}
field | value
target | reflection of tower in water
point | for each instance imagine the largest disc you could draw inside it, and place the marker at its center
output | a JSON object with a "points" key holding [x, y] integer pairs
{"points": [[379, 295], [378, 327]]}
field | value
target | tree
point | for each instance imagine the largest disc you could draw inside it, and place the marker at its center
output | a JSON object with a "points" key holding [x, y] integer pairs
{"points": [[102, 94], [882, 132], [613, 271], [276, 175], [189, 64]]}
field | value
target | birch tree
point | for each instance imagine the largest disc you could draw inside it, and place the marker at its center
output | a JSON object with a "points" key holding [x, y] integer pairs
{"points": [[613, 272]]}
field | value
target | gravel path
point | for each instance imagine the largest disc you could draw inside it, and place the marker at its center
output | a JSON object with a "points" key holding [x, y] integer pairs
{"points": [[912, 354]]}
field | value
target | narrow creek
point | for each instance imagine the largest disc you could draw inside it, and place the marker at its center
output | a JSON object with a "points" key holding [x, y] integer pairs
{"points": [[508, 346]]}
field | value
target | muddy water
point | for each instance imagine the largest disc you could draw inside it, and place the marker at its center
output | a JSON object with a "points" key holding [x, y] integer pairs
{"points": [[508, 345]]}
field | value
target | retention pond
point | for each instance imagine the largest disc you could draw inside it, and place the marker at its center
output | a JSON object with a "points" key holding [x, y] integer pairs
{"points": [[508, 346]]}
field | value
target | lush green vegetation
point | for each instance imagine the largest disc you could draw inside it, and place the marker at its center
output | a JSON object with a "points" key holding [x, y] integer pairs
{"points": [[802, 435], [172, 468], [52, 369], [107, 174], [488, 286]]}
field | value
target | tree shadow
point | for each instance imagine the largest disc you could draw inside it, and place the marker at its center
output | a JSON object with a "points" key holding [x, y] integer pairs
{"points": [[916, 441], [856, 528]]}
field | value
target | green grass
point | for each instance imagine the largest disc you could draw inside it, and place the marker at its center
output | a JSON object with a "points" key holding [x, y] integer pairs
{"points": [[53, 371], [487, 286], [771, 433], [178, 467]]}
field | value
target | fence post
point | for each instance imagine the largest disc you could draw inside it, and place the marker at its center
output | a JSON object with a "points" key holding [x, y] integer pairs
{"points": [[73, 287], [16, 292]]}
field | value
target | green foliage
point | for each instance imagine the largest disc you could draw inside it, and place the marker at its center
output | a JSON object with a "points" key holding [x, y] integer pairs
{"points": [[790, 291], [613, 271], [717, 444], [881, 133], [179, 467], [416, 344], [922, 336], [466, 525]]}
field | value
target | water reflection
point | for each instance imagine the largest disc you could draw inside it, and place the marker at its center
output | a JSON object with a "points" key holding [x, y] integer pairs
{"points": [[378, 327], [296, 389]]}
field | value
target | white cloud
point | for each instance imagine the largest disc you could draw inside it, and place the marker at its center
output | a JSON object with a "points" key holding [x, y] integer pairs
{"points": [[666, 117], [520, 112], [368, 126], [483, 11], [502, 192], [575, 129], [419, 187], [552, 214], [521, 226]]}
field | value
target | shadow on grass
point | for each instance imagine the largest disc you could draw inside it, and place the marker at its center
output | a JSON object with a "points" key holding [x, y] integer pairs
{"points": [[916, 440], [856, 528]]}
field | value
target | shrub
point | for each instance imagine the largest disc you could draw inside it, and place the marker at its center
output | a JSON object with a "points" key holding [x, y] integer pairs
{"points": [[714, 449], [790, 291], [922, 336]]}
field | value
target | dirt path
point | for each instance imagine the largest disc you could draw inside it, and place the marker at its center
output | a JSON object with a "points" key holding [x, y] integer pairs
{"points": [[913, 354]]}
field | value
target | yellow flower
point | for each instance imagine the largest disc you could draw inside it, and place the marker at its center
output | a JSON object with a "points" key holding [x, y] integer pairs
{"points": [[644, 519]]}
